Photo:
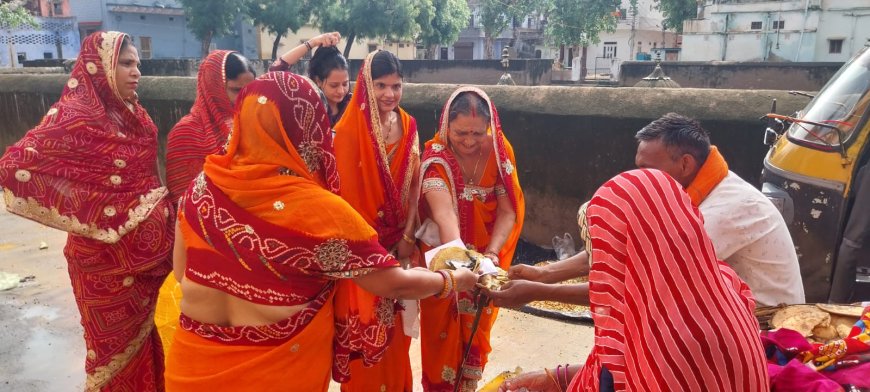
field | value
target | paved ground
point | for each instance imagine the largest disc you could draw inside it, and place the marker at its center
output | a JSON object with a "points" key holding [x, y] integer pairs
{"points": [[41, 345]]}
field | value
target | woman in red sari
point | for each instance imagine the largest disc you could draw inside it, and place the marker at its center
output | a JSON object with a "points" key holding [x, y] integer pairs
{"points": [[668, 315], [470, 192], [378, 157], [263, 245], [204, 131], [89, 168]]}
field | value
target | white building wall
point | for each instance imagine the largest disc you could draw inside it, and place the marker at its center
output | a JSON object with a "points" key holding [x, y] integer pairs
{"points": [[777, 30], [40, 42]]}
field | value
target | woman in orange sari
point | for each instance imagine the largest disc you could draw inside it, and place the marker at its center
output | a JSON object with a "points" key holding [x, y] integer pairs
{"points": [[378, 156], [262, 247], [470, 192], [89, 168]]}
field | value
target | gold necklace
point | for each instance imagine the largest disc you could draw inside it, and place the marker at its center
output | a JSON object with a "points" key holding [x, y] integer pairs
{"points": [[469, 180], [389, 127]]}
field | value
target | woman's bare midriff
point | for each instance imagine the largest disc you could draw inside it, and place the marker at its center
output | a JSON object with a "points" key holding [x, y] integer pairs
{"points": [[212, 306]]}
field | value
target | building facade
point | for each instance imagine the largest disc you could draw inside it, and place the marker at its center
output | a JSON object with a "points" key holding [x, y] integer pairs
{"points": [[777, 30], [54, 37]]}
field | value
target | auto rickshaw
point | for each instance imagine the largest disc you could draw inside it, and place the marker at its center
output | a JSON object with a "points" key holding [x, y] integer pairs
{"points": [[816, 173]]}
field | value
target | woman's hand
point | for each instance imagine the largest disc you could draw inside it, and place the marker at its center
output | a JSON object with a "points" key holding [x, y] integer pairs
{"points": [[464, 280], [537, 381], [404, 249], [326, 40]]}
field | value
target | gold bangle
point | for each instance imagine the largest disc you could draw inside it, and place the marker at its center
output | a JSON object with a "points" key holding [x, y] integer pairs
{"points": [[408, 239]]}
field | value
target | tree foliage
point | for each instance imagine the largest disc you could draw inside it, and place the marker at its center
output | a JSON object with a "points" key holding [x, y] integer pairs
{"points": [[357, 19], [441, 21], [677, 11], [279, 16], [580, 22], [13, 14], [209, 18], [496, 16]]}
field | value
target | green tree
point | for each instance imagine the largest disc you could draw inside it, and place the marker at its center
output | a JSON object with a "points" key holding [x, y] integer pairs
{"points": [[579, 23], [440, 22], [279, 16], [13, 14], [676, 11], [207, 19], [358, 19], [497, 15]]}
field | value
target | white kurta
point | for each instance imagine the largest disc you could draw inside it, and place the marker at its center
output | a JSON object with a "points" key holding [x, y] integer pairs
{"points": [[749, 234]]}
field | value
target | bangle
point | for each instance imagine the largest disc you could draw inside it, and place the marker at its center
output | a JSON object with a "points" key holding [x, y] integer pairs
{"points": [[565, 375], [408, 239], [492, 255], [553, 379], [308, 45], [448, 284]]}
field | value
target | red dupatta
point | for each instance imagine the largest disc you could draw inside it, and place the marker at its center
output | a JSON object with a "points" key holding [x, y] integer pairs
{"points": [[668, 314], [89, 167], [376, 179], [205, 130]]}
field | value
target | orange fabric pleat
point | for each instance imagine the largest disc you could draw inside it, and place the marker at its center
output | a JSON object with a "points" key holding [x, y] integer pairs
{"points": [[254, 368], [712, 172]]}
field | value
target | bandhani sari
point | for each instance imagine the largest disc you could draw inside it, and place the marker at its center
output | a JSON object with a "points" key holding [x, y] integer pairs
{"points": [[264, 223], [201, 133], [89, 168], [668, 315], [377, 180], [446, 323]]}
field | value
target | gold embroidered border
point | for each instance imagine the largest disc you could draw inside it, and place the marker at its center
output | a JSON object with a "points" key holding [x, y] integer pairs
{"points": [[31, 209], [103, 374]]}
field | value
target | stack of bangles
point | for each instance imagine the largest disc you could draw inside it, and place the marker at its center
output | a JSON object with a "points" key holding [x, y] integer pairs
{"points": [[449, 284], [562, 377], [408, 239], [492, 256]]}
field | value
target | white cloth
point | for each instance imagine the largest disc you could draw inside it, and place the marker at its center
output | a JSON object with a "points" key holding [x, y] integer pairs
{"points": [[749, 234]]}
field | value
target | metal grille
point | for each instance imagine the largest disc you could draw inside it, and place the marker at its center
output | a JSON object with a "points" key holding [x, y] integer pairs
{"points": [[34, 39]]}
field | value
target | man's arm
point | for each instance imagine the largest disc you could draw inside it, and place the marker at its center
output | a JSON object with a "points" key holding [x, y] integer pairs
{"points": [[560, 271], [517, 293]]}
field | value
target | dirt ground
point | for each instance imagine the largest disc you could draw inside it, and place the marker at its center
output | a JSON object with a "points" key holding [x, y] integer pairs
{"points": [[41, 345]]}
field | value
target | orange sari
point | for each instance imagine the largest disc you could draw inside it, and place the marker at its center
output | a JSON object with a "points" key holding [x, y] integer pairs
{"points": [[446, 323], [379, 181], [250, 232]]}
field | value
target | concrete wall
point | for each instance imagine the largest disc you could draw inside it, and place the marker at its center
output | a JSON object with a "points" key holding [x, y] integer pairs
{"points": [[568, 140], [42, 41], [702, 74]]}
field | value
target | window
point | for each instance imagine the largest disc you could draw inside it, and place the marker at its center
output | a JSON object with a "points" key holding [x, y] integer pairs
{"points": [[778, 24], [471, 22], [755, 26], [145, 47], [609, 50], [835, 45], [373, 47], [57, 8], [141, 17], [47, 55], [623, 13], [22, 57], [171, 19]]}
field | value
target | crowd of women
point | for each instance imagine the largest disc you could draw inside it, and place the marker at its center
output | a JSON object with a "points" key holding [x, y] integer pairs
{"points": [[295, 219]]}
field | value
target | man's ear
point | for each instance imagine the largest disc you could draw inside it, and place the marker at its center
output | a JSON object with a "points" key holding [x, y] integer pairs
{"points": [[689, 165]]}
